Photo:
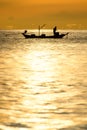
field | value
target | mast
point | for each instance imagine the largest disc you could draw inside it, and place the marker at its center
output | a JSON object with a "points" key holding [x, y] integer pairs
{"points": [[39, 30], [40, 27]]}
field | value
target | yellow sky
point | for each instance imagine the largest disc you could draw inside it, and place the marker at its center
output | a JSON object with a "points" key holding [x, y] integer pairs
{"points": [[20, 14]]}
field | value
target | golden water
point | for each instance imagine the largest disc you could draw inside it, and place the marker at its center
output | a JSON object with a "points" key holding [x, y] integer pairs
{"points": [[43, 85]]}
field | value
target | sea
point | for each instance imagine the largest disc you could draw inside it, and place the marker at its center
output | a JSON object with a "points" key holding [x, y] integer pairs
{"points": [[43, 82]]}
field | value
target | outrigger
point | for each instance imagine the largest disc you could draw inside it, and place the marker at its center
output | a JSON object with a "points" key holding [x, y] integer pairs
{"points": [[55, 34]]}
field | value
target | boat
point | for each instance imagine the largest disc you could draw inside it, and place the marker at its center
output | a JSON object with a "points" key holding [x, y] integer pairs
{"points": [[55, 34]]}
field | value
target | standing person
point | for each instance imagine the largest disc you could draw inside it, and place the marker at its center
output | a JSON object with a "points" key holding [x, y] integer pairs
{"points": [[54, 31]]}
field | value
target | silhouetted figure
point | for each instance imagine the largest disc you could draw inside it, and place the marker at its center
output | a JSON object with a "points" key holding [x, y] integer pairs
{"points": [[54, 31], [25, 31]]}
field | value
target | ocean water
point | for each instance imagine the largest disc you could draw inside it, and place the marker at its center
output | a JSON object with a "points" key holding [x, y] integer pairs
{"points": [[43, 82]]}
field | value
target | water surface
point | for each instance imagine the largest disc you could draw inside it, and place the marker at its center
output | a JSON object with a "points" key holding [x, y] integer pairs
{"points": [[43, 82]]}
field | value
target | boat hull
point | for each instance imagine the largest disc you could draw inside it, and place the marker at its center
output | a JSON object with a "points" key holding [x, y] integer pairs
{"points": [[43, 36]]}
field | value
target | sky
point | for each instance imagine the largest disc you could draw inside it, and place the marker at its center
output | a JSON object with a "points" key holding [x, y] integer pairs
{"points": [[24, 14]]}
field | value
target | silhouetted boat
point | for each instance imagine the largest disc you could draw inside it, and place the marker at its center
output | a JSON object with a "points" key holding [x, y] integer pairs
{"points": [[55, 34]]}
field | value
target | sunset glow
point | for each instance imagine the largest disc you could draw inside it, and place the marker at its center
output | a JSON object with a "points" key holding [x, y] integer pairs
{"points": [[20, 14]]}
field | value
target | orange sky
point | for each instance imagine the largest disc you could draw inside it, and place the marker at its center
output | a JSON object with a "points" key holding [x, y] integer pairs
{"points": [[21, 14]]}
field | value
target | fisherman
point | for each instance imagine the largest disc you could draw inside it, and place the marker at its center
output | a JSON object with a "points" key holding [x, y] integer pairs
{"points": [[25, 31], [54, 31]]}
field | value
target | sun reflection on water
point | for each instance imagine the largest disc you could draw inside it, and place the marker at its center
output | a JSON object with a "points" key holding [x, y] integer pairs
{"points": [[41, 100], [41, 67], [42, 90]]}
